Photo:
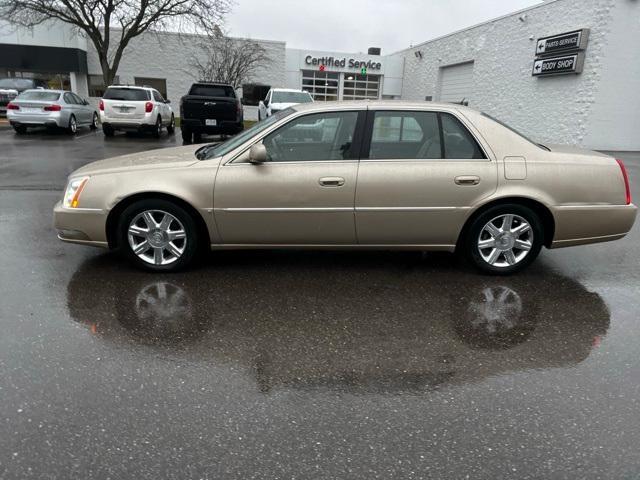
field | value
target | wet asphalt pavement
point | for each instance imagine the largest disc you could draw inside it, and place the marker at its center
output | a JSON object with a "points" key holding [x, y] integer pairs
{"points": [[305, 364]]}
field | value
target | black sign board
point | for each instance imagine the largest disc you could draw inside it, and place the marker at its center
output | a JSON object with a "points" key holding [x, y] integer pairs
{"points": [[576, 40], [558, 65]]}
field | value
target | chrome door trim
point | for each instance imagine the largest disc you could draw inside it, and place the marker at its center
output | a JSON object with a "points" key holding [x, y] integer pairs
{"points": [[285, 209]]}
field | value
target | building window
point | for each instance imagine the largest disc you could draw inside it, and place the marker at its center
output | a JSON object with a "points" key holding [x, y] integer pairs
{"points": [[96, 85], [54, 81], [253, 93], [361, 87], [323, 86], [159, 84]]}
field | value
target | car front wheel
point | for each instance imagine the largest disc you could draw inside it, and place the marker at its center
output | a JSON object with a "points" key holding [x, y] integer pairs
{"points": [[158, 235], [504, 239]]}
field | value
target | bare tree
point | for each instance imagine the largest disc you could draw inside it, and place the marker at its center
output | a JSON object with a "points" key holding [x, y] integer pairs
{"points": [[112, 24], [229, 60]]}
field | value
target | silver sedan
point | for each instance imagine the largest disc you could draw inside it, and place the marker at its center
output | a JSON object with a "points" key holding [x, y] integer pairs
{"points": [[51, 108]]}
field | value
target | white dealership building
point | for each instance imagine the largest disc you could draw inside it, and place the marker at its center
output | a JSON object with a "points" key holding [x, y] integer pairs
{"points": [[563, 71]]}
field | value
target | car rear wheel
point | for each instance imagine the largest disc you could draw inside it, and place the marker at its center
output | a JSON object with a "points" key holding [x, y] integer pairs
{"points": [[187, 136], [20, 129], [72, 128], [94, 122], [158, 235], [504, 239], [172, 126], [157, 131], [108, 131]]}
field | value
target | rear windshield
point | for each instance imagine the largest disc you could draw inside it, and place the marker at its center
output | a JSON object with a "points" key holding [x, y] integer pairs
{"points": [[291, 97], [16, 83], [39, 95], [131, 94], [212, 91]]}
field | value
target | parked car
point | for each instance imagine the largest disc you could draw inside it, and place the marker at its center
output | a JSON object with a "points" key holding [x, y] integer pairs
{"points": [[10, 88], [278, 99], [138, 109], [52, 109], [211, 108], [384, 175]]}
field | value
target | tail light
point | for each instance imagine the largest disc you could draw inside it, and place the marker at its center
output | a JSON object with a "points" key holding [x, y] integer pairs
{"points": [[12, 106], [101, 105], [148, 107], [626, 182], [52, 108]]}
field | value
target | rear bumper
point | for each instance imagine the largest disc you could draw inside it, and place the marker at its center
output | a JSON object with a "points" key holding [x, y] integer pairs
{"points": [[584, 224], [224, 126], [53, 119], [81, 225]]}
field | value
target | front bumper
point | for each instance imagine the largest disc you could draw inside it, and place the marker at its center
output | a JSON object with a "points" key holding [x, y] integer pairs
{"points": [[86, 226], [584, 224]]}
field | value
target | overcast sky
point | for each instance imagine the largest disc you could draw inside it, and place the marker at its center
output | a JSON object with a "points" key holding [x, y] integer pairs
{"points": [[355, 25]]}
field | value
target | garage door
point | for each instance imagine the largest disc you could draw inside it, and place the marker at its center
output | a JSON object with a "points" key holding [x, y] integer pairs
{"points": [[456, 82]]}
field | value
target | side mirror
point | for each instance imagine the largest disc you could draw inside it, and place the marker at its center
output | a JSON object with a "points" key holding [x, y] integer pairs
{"points": [[86, 102], [257, 153], [167, 101]]}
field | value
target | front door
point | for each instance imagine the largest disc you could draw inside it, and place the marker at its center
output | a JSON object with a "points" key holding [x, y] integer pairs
{"points": [[304, 194], [422, 172]]}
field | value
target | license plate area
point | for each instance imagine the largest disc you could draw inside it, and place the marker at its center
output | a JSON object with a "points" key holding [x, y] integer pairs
{"points": [[31, 110], [210, 122]]}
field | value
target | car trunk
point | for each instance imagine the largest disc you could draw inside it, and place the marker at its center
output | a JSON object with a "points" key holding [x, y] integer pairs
{"points": [[33, 107]]}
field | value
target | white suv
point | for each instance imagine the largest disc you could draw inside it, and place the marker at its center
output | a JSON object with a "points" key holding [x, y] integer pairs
{"points": [[129, 108]]}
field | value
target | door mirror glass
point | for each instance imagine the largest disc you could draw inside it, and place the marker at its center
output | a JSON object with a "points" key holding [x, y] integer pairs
{"points": [[167, 101], [257, 153]]}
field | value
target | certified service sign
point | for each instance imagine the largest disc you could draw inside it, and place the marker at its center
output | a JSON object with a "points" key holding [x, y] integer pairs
{"points": [[558, 65]]}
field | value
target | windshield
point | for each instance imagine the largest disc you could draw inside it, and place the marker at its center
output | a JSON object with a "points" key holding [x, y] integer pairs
{"points": [[212, 91], [39, 95], [291, 97], [514, 131], [219, 149], [131, 94], [15, 83]]}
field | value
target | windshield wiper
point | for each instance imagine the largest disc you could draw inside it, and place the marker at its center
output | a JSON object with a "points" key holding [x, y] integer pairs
{"points": [[201, 153]]}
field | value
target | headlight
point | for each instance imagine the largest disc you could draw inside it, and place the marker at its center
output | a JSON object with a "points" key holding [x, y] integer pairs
{"points": [[74, 189]]}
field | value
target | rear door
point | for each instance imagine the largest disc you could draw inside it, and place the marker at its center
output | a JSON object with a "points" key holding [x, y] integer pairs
{"points": [[304, 195], [84, 112], [420, 173], [125, 103]]}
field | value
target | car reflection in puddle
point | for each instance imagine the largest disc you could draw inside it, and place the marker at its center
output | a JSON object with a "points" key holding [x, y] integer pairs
{"points": [[307, 324]]}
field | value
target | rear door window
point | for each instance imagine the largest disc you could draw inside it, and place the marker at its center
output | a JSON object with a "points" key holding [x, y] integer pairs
{"points": [[458, 141], [126, 94], [405, 135]]}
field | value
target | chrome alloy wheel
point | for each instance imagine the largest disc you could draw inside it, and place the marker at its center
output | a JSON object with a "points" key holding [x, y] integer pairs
{"points": [[157, 237], [505, 241]]}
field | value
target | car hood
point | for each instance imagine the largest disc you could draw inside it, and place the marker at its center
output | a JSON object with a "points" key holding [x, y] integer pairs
{"points": [[152, 159]]}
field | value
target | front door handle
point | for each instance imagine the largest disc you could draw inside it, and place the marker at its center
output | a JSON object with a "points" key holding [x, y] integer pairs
{"points": [[331, 181], [467, 180]]}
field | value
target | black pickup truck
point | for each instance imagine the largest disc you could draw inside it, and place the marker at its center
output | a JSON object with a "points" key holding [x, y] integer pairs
{"points": [[211, 108]]}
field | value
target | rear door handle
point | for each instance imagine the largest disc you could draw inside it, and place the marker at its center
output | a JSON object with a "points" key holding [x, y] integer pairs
{"points": [[467, 180], [331, 181]]}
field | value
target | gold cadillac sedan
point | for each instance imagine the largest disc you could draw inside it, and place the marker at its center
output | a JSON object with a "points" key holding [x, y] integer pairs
{"points": [[377, 175]]}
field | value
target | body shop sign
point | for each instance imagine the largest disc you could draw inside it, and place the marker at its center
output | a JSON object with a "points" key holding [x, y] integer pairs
{"points": [[558, 65]]}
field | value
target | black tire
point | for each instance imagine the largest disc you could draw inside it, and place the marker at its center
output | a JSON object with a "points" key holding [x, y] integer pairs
{"points": [[197, 137], [20, 129], [72, 128], [187, 136], [534, 237], [171, 129], [157, 130], [94, 122], [108, 131], [191, 240]]}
